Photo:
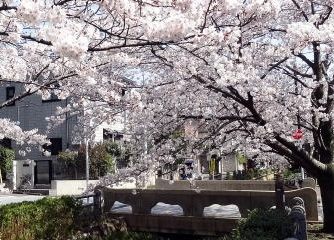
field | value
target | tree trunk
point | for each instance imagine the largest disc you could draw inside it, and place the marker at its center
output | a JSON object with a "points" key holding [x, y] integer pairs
{"points": [[326, 183]]}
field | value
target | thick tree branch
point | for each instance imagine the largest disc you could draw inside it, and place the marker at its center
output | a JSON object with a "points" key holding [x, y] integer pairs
{"points": [[300, 9], [306, 160]]}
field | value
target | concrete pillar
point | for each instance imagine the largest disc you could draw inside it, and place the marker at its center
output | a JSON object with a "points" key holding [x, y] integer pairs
{"points": [[32, 166], [199, 166], [279, 191]]}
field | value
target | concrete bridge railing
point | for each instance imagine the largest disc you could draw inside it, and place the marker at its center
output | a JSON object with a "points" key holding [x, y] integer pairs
{"points": [[219, 185], [193, 202]]}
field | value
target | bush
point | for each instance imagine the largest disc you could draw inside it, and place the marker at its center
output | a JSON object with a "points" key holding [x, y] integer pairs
{"points": [[48, 218], [7, 157], [121, 153], [101, 162], [59, 219], [264, 225]]}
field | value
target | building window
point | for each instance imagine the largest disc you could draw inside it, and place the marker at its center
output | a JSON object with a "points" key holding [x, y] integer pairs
{"points": [[10, 93], [55, 147], [6, 142], [113, 136]]}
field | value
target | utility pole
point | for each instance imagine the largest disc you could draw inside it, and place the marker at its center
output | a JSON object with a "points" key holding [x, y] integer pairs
{"points": [[87, 162]]}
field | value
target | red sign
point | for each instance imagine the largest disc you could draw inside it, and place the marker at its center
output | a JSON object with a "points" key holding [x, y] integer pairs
{"points": [[298, 134]]}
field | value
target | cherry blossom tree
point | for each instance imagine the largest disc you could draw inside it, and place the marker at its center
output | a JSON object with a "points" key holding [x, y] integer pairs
{"points": [[65, 48], [80, 51], [247, 73]]}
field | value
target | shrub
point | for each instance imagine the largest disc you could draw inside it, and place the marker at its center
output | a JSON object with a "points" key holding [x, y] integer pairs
{"points": [[59, 219], [48, 218], [121, 153], [264, 225], [106, 228], [71, 164], [101, 162], [7, 157]]}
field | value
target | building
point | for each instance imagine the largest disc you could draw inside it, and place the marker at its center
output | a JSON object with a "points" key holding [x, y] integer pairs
{"points": [[31, 113], [210, 163]]}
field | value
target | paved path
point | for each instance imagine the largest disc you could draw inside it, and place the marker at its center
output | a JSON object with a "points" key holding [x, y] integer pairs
{"points": [[15, 198]]}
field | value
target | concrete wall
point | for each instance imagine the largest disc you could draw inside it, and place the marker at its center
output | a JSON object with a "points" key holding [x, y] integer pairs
{"points": [[77, 187], [20, 169], [309, 182], [69, 187], [219, 185]]}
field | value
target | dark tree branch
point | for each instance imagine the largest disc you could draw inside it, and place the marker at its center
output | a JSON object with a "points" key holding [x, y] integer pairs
{"points": [[305, 59], [6, 8], [206, 15], [273, 66], [325, 16], [300, 9]]}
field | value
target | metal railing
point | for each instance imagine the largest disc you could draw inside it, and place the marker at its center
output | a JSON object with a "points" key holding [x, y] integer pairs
{"points": [[91, 203]]}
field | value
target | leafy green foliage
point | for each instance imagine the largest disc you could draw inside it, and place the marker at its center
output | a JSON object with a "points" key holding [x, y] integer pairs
{"points": [[57, 219], [264, 225], [113, 148], [100, 159], [71, 163], [7, 157], [101, 162], [291, 173], [120, 153], [249, 174], [48, 218], [68, 157], [241, 158]]}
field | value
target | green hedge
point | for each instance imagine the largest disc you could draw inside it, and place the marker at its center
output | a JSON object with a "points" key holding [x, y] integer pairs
{"points": [[59, 219], [48, 218], [264, 225], [7, 157]]}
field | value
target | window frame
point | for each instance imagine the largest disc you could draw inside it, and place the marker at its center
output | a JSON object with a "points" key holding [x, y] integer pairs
{"points": [[50, 148], [8, 90]]}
